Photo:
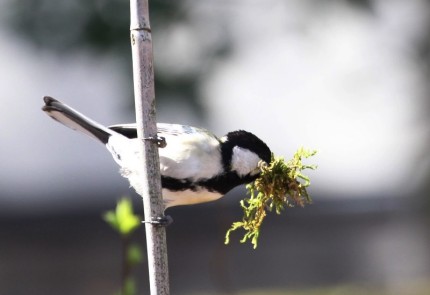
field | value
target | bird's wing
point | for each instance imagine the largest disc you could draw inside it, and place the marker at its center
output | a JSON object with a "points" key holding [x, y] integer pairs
{"points": [[191, 153], [163, 129], [128, 130]]}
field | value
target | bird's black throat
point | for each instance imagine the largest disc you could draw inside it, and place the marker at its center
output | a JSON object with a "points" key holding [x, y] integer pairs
{"points": [[222, 183]]}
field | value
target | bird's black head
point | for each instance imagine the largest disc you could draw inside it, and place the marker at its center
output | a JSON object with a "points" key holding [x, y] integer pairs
{"points": [[242, 150]]}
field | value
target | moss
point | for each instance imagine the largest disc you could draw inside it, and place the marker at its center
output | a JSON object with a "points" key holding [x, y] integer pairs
{"points": [[281, 185]]}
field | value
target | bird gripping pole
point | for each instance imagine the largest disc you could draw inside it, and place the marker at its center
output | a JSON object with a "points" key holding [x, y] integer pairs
{"points": [[144, 93]]}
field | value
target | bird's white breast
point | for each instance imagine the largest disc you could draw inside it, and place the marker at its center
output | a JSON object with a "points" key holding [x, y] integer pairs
{"points": [[188, 197]]}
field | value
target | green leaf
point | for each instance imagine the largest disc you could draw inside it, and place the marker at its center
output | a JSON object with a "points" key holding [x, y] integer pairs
{"points": [[134, 255], [129, 287], [123, 220], [111, 219]]}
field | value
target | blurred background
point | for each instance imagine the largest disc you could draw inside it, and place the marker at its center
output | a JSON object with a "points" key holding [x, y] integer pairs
{"points": [[346, 77]]}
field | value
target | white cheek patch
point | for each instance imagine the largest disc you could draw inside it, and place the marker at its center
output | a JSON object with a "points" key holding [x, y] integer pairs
{"points": [[244, 161]]}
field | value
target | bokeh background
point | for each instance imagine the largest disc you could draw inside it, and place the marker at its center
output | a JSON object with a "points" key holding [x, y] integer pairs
{"points": [[346, 77]]}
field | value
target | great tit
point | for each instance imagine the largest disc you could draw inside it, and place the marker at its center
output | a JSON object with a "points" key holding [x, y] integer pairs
{"points": [[195, 165]]}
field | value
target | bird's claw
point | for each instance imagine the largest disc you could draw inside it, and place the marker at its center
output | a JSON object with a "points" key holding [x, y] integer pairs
{"points": [[160, 221], [159, 140]]}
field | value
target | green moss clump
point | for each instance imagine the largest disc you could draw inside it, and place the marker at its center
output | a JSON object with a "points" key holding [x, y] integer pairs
{"points": [[280, 185]]}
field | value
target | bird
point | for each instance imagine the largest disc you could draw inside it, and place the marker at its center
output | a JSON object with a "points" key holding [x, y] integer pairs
{"points": [[195, 165]]}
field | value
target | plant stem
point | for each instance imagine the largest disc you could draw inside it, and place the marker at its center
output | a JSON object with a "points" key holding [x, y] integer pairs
{"points": [[126, 268], [143, 76]]}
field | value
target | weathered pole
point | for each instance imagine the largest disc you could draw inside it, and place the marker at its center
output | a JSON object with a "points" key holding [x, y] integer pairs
{"points": [[144, 93]]}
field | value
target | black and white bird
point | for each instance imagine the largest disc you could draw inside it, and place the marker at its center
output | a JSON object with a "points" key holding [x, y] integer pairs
{"points": [[196, 166]]}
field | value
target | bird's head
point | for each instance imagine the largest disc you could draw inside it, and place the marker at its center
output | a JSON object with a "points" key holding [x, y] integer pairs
{"points": [[243, 152]]}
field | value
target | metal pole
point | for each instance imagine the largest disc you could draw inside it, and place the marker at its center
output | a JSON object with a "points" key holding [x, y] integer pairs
{"points": [[143, 77]]}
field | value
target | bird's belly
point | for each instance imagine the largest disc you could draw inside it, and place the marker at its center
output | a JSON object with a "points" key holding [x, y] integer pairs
{"points": [[188, 197]]}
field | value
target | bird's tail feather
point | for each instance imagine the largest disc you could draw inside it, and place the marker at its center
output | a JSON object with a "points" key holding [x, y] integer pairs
{"points": [[75, 120]]}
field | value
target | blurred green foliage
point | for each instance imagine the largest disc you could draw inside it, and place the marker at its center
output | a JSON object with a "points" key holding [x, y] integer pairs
{"points": [[101, 27], [122, 219], [125, 222]]}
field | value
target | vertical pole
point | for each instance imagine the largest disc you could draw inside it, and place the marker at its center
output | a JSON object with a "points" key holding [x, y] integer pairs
{"points": [[143, 77]]}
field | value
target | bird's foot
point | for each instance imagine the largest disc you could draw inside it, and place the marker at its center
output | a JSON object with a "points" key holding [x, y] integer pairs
{"points": [[161, 221], [159, 140]]}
